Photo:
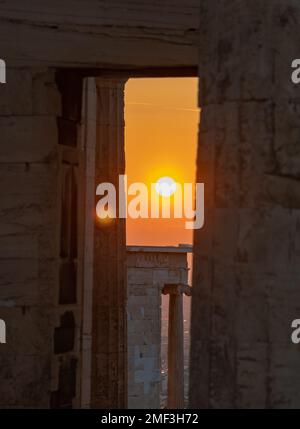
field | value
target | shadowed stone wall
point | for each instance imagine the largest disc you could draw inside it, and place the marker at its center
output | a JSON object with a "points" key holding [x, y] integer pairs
{"points": [[30, 103], [246, 258], [65, 315]]}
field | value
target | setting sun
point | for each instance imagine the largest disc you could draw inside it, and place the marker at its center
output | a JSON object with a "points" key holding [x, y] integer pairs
{"points": [[165, 186]]}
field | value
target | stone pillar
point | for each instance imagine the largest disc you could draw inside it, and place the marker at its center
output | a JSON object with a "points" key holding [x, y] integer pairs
{"points": [[109, 366], [176, 345], [29, 106], [66, 359], [246, 258]]}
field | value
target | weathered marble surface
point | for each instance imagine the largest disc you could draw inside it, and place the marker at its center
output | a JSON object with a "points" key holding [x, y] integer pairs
{"points": [[247, 260]]}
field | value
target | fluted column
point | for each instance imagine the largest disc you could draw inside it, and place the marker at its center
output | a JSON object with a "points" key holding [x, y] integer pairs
{"points": [[176, 344], [109, 366]]}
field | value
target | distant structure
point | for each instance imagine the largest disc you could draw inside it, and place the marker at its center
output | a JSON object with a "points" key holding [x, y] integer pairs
{"points": [[149, 270]]}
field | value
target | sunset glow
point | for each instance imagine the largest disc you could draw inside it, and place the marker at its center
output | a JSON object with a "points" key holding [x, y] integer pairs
{"points": [[161, 126]]}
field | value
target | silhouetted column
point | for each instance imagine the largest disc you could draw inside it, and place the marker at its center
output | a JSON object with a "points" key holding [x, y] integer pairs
{"points": [[175, 344], [109, 341]]}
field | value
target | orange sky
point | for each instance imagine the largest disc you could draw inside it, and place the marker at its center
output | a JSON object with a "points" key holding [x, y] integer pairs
{"points": [[161, 123]]}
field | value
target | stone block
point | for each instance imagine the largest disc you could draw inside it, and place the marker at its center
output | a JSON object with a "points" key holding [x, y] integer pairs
{"points": [[27, 282], [222, 384], [286, 142], [16, 94], [284, 377], [28, 179], [286, 21], [28, 139], [264, 239], [252, 380], [29, 330], [46, 98], [140, 276]]}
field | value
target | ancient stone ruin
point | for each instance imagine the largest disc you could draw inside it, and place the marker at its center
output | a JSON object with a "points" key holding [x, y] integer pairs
{"points": [[63, 288]]}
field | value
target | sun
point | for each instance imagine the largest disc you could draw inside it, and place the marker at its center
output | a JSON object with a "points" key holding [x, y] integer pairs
{"points": [[165, 186]]}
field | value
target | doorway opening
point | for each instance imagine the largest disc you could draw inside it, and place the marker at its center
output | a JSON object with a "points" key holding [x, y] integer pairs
{"points": [[161, 127]]}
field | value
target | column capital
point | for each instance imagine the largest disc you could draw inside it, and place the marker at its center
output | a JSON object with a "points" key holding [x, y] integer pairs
{"points": [[177, 289], [112, 82]]}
